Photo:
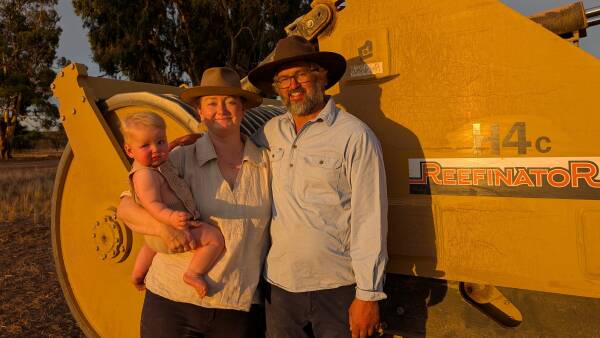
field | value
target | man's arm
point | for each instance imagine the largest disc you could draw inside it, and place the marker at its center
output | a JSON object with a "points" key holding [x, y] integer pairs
{"points": [[139, 220], [184, 140], [259, 137], [368, 231]]}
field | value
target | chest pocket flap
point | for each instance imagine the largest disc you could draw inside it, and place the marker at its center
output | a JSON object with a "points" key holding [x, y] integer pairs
{"points": [[276, 154], [322, 162]]}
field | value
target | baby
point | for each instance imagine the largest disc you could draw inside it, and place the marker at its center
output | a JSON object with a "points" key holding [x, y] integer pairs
{"points": [[156, 186]]}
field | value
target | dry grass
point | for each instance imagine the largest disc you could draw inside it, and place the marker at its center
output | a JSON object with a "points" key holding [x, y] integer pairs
{"points": [[26, 194], [31, 301]]}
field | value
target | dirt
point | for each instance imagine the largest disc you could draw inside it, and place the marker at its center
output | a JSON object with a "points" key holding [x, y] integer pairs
{"points": [[31, 300], [30, 161]]}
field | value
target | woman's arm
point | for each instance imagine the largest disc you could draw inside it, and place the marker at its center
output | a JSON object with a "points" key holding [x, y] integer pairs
{"points": [[139, 220]]}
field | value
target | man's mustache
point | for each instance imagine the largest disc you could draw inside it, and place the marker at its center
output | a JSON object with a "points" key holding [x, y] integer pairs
{"points": [[296, 90]]}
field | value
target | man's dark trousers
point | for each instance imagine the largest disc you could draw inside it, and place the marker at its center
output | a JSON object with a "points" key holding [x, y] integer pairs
{"points": [[289, 314]]}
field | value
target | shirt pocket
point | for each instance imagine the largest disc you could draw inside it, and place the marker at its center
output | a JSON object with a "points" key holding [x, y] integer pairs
{"points": [[275, 157], [320, 179]]}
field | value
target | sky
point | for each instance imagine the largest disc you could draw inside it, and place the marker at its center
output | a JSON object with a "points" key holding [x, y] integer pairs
{"points": [[75, 47]]}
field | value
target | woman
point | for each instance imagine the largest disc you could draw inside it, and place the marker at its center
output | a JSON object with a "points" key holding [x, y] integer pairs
{"points": [[229, 178]]}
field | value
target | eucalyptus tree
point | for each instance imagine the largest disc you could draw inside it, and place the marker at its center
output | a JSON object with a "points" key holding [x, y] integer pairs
{"points": [[169, 41], [29, 35]]}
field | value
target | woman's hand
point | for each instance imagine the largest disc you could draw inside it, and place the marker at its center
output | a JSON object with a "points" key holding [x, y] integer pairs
{"points": [[177, 240]]}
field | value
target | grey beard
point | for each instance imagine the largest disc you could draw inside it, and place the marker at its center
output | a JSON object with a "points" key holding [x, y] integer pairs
{"points": [[306, 106]]}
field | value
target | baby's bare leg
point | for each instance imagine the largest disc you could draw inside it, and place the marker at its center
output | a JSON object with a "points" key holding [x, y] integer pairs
{"points": [[141, 266], [211, 246]]}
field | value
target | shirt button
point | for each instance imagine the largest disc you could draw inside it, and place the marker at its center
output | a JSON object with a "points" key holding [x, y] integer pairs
{"points": [[321, 162], [294, 146], [291, 165]]}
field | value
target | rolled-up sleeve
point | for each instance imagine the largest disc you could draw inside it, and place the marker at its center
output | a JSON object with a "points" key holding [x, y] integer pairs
{"points": [[368, 227]]}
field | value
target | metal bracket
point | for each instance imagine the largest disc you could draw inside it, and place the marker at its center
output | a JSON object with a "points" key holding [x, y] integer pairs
{"points": [[312, 23]]}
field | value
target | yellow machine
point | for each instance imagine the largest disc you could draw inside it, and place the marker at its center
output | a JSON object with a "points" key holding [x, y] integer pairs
{"points": [[488, 126]]}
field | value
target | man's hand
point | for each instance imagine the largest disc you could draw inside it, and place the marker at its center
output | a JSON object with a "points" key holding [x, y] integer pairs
{"points": [[177, 240], [364, 318], [184, 140]]}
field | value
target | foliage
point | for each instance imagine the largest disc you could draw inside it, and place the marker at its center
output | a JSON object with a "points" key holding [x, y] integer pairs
{"points": [[26, 139], [28, 40], [40, 140], [162, 41]]}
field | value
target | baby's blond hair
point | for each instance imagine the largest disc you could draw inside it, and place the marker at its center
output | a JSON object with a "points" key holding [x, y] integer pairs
{"points": [[136, 120]]}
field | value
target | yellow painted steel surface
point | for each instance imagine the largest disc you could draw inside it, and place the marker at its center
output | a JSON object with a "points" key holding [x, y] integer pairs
{"points": [[436, 80]]}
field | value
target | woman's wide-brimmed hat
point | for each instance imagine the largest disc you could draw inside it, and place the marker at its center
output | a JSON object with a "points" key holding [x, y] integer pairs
{"points": [[221, 81], [295, 49]]}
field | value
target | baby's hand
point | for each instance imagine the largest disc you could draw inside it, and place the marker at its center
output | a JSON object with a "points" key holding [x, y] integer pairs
{"points": [[179, 219]]}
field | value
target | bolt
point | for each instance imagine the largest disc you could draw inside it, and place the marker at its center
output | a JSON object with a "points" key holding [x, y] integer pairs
{"points": [[97, 248], [83, 99], [53, 86], [122, 249], [97, 223], [115, 252], [104, 257], [94, 235], [72, 66], [114, 226], [62, 74], [62, 117], [105, 219], [73, 111], [400, 311]]}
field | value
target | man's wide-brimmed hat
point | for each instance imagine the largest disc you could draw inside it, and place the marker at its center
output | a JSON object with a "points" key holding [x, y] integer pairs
{"points": [[221, 81], [296, 49]]}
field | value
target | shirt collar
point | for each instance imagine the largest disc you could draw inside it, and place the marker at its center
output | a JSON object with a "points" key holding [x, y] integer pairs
{"points": [[327, 114], [205, 151]]}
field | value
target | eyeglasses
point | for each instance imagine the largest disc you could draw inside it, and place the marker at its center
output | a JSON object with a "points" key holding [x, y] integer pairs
{"points": [[302, 76]]}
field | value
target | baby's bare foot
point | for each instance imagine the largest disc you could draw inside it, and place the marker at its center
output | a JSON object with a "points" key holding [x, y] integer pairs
{"points": [[197, 282]]}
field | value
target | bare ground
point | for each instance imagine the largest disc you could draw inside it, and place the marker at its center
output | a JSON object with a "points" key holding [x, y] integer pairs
{"points": [[31, 300]]}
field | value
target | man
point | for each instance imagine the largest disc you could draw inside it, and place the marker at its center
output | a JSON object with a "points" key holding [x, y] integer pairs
{"points": [[329, 225]]}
